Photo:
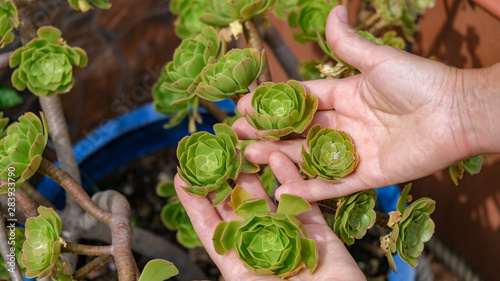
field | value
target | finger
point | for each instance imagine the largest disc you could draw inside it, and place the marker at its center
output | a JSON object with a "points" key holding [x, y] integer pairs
{"points": [[259, 152], [245, 104], [325, 119], [245, 131], [327, 89], [313, 216], [251, 183], [348, 44]]}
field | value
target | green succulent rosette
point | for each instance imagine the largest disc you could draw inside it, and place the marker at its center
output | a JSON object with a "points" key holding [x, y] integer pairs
{"points": [[310, 18], [355, 215], [224, 12], [4, 121], [232, 74], [17, 244], [46, 64], [309, 71], [281, 109], [283, 7], [267, 243], [9, 19], [331, 154], [21, 150], [411, 227], [207, 161], [188, 23], [85, 5], [472, 166], [175, 218], [42, 247]]}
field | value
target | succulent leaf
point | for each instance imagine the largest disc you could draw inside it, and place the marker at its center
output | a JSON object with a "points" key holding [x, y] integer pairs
{"points": [[188, 23], [158, 270], [281, 109], [84, 5], [331, 154], [21, 149], [472, 166], [9, 19], [224, 12], [355, 215], [267, 243], [46, 64], [42, 247]]}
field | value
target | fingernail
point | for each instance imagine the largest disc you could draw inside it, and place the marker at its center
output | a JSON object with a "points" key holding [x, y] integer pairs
{"points": [[342, 14]]}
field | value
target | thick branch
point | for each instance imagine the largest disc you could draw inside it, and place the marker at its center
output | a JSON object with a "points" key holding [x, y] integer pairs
{"points": [[254, 41], [94, 264], [10, 261], [213, 109], [26, 203], [74, 189], [87, 250]]}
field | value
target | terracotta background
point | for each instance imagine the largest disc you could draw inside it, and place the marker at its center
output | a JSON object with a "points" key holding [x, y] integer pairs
{"points": [[128, 44]]}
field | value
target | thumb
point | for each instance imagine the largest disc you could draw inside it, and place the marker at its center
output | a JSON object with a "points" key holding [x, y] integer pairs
{"points": [[351, 47]]}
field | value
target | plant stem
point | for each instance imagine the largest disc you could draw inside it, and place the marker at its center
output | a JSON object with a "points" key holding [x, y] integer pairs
{"points": [[94, 264], [26, 203], [254, 41], [15, 274], [213, 109], [87, 250], [47, 168]]}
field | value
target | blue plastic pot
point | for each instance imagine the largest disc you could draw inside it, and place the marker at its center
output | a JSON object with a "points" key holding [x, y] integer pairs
{"points": [[140, 132]]}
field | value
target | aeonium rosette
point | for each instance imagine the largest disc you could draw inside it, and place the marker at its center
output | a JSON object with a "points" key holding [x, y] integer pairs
{"points": [[310, 17], [267, 243], [331, 154], [46, 63], [355, 215], [9, 19], [21, 149], [188, 23], [281, 109], [224, 12], [207, 161], [411, 227]]}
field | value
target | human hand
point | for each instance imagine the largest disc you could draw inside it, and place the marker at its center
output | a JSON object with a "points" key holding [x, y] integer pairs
{"points": [[404, 113], [335, 262]]}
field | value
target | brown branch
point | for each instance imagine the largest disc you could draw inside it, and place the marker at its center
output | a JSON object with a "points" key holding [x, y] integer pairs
{"points": [[94, 264], [255, 41], [5, 250], [26, 203], [213, 109], [47, 168], [87, 250]]}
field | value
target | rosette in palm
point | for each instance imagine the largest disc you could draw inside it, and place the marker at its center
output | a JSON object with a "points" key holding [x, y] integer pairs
{"points": [[281, 109], [331, 154], [310, 18], [188, 23], [411, 227], [224, 12], [207, 161], [9, 20], [42, 247], [21, 149], [46, 64], [355, 215], [84, 5], [230, 75], [267, 243]]}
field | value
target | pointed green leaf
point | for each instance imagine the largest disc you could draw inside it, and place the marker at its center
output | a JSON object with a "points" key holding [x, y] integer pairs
{"points": [[158, 270], [292, 205]]}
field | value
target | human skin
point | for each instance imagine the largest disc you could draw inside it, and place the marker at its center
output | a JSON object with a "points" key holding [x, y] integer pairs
{"points": [[408, 116]]}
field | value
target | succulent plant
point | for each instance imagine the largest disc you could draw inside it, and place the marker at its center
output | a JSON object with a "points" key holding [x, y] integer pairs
{"points": [[331, 154], [268, 180], [207, 161], [309, 71], [4, 121], [281, 109], [230, 75], [411, 227], [283, 7], [84, 5], [42, 247], [224, 12], [267, 243], [63, 271], [391, 38], [175, 218], [17, 245], [310, 19], [188, 23], [472, 166], [46, 64], [21, 150], [355, 215], [9, 20]]}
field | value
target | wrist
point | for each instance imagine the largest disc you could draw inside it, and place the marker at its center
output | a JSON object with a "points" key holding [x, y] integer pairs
{"points": [[479, 109]]}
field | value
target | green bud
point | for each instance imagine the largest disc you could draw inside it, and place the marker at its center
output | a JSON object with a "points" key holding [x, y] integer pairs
{"points": [[42, 247], [281, 109], [355, 215], [46, 64], [230, 75], [9, 20], [21, 149], [267, 243], [331, 154], [310, 19], [84, 5], [224, 12]]}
